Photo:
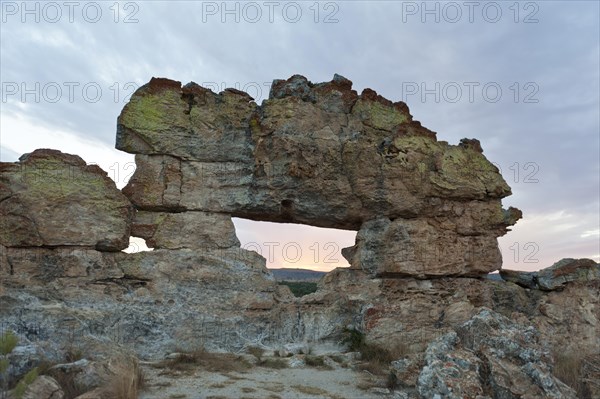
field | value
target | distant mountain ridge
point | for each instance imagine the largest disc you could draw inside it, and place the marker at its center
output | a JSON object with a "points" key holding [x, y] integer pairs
{"points": [[296, 274]]}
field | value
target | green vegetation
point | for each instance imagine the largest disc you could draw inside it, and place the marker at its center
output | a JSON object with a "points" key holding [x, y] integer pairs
{"points": [[300, 288], [8, 342]]}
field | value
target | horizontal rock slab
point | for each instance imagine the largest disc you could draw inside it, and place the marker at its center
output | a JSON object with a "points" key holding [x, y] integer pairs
{"points": [[318, 154], [556, 276], [199, 230], [52, 199]]}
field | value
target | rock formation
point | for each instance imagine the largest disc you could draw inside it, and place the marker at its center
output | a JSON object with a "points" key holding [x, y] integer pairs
{"points": [[428, 215], [323, 155]]}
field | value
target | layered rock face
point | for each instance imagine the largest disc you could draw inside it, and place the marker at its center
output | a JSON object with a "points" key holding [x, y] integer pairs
{"points": [[323, 155]]}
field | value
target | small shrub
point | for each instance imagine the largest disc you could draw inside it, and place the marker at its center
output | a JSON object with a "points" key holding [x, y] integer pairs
{"points": [[314, 361], [8, 342], [376, 359], [127, 381], [25, 382], [354, 339]]}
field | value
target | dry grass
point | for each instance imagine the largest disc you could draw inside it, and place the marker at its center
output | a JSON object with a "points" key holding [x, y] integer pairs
{"points": [[127, 380], [376, 359], [579, 371], [256, 352], [275, 387], [273, 363], [67, 382], [201, 359], [310, 390], [317, 361], [367, 383]]}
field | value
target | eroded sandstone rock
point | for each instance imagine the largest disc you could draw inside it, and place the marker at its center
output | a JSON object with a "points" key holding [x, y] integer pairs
{"points": [[319, 154], [53, 199]]}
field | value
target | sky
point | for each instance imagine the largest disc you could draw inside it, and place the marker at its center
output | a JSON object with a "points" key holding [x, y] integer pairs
{"points": [[522, 77]]}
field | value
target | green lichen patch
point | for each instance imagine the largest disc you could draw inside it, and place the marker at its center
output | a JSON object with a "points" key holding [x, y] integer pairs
{"points": [[155, 112], [379, 115]]}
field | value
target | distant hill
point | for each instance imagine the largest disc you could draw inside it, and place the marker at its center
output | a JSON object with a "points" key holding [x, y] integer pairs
{"points": [[296, 274]]}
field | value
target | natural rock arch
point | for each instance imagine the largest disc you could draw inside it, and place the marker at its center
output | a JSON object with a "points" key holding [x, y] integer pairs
{"points": [[317, 154]]}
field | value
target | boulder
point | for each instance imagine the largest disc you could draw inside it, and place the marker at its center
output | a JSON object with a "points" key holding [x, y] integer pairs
{"points": [[302, 156], [53, 199]]}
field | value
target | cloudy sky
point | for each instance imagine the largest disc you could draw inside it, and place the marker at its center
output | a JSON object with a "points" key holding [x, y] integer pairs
{"points": [[522, 77]]}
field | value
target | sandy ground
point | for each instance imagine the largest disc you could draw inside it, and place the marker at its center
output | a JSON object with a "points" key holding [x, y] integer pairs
{"points": [[262, 383]]}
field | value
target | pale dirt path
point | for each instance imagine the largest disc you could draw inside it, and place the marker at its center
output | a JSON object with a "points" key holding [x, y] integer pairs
{"points": [[262, 383]]}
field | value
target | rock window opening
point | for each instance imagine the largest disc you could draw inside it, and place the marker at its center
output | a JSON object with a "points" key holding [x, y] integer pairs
{"points": [[295, 246]]}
